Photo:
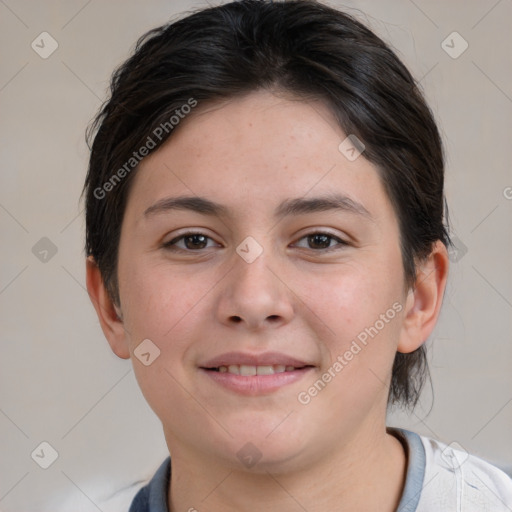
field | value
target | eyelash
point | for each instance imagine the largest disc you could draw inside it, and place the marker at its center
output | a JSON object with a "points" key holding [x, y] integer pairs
{"points": [[171, 245]]}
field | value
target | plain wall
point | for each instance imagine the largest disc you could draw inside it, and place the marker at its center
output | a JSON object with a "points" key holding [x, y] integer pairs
{"points": [[59, 380]]}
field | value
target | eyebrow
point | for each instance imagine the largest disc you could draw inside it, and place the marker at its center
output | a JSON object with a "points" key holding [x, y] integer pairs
{"points": [[289, 207]]}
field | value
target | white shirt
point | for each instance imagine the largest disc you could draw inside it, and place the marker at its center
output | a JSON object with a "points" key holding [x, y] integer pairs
{"points": [[444, 478]]}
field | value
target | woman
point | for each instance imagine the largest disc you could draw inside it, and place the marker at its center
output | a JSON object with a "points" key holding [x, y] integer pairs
{"points": [[266, 241]]}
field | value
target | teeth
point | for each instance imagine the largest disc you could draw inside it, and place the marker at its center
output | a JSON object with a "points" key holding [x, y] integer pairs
{"points": [[265, 370], [248, 370], [234, 368]]}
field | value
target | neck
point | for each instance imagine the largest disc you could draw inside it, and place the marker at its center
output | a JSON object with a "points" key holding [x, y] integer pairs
{"points": [[366, 473]]}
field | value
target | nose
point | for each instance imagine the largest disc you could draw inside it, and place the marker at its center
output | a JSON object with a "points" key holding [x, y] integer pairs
{"points": [[255, 295]]}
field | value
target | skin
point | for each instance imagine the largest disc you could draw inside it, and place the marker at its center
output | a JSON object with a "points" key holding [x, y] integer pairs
{"points": [[250, 154]]}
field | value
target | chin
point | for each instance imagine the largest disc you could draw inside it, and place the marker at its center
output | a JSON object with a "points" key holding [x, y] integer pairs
{"points": [[266, 446], [270, 459]]}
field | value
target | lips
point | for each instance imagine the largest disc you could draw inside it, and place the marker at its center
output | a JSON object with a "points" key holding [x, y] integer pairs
{"points": [[240, 359], [255, 374]]}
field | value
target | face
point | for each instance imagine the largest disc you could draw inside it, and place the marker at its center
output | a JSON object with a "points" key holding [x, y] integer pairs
{"points": [[310, 298]]}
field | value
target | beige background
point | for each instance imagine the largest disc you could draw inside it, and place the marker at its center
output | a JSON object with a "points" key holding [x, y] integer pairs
{"points": [[59, 381]]}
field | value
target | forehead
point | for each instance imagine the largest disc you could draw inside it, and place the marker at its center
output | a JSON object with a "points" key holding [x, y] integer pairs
{"points": [[253, 152]]}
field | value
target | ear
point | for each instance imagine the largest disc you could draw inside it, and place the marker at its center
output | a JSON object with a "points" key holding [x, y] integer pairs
{"points": [[424, 302], [109, 314]]}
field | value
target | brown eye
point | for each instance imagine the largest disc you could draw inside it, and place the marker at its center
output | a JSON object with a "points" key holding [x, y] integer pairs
{"points": [[322, 242], [190, 242], [319, 241]]}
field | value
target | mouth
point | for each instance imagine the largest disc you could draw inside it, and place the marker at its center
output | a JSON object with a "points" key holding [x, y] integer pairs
{"points": [[250, 370], [252, 375]]}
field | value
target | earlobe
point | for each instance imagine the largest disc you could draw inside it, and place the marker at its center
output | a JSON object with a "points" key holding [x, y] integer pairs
{"points": [[424, 302], [109, 315]]}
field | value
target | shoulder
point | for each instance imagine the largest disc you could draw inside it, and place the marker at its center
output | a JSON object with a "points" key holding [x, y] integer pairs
{"points": [[153, 496], [457, 480], [141, 501]]}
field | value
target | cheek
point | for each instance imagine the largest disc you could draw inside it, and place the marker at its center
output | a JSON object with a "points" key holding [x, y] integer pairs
{"points": [[158, 303], [361, 308], [350, 300], [360, 345]]}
